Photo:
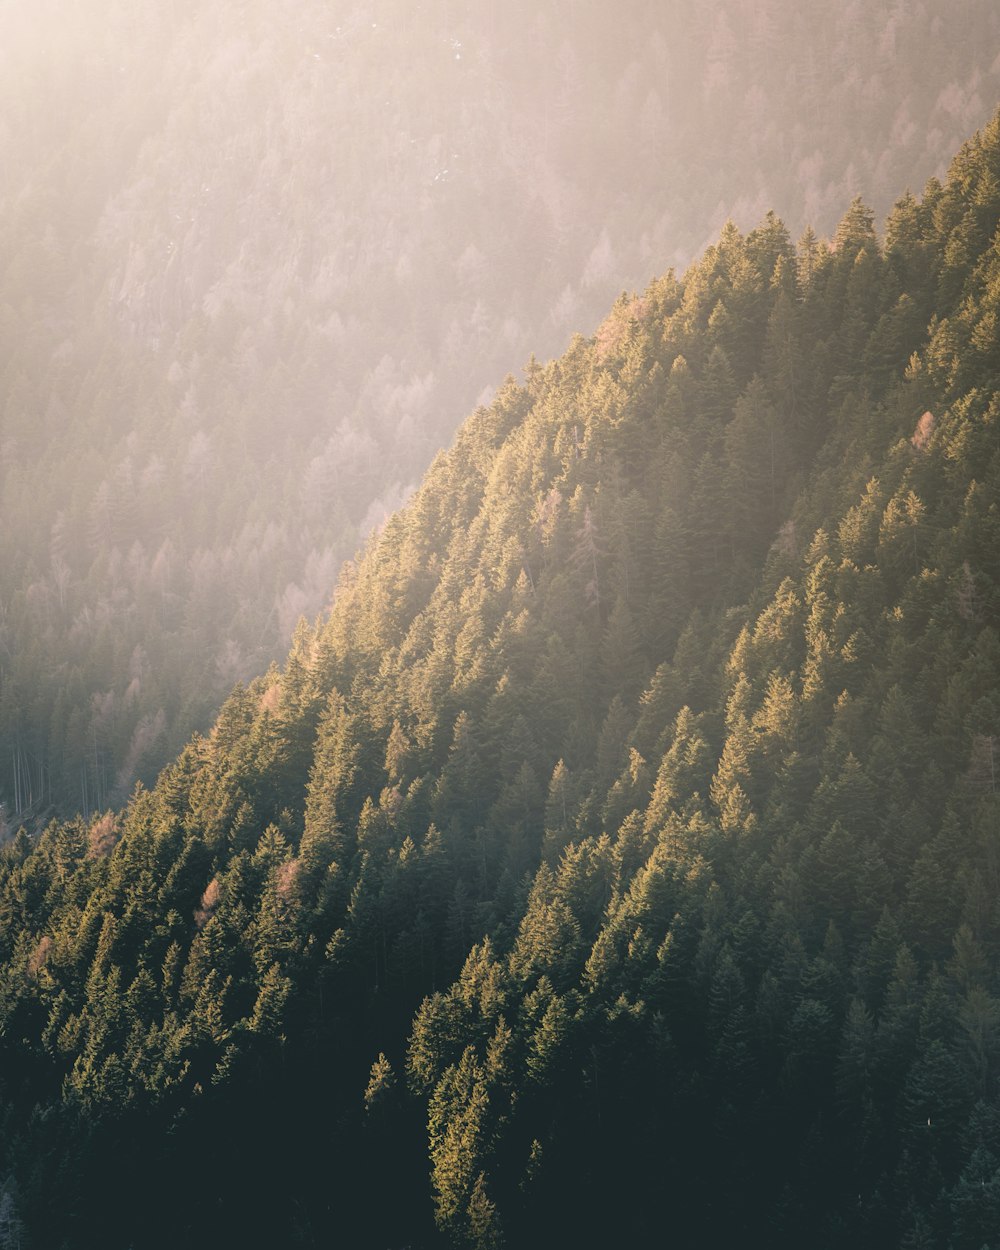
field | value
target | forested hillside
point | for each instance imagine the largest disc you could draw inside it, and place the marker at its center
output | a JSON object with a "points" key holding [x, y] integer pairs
{"points": [[257, 260], [619, 862]]}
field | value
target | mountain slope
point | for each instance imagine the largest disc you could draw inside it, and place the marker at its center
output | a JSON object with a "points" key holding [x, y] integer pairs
{"points": [[623, 844], [255, 265]]}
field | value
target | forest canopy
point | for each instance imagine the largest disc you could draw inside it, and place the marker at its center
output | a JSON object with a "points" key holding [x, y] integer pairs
{"points": [[618, 859]]}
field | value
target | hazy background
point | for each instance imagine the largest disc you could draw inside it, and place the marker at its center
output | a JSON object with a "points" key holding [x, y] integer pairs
{"points": [[257, 261]]}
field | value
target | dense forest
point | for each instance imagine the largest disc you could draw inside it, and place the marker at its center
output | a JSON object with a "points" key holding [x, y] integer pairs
{"points": [[256, 261], [619, 860]]}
